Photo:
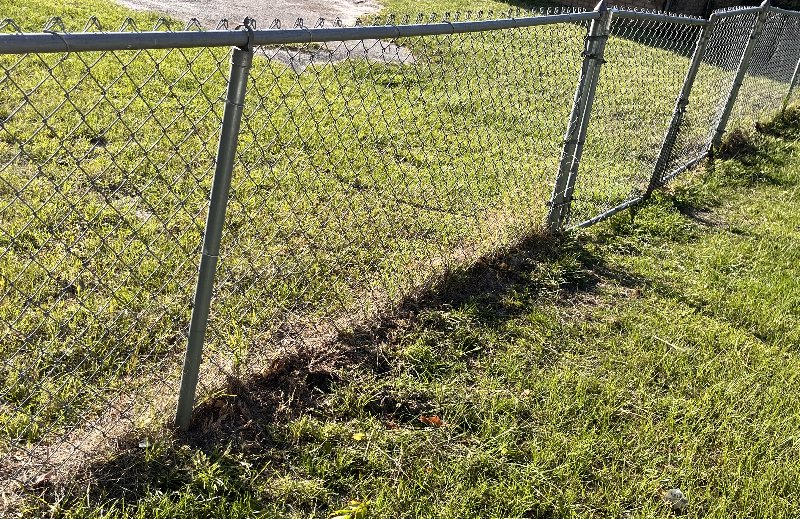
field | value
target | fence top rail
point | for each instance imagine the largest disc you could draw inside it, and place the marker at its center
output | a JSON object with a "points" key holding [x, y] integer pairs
{"points": [[16, 43], [783, 11], [736, 12], [658, 17]]}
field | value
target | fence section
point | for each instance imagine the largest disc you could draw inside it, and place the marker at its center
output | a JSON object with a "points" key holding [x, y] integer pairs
{"points": [[718, 62], [371, 161], [623, 139], [771, 70], [368, 168], [105, 161]]}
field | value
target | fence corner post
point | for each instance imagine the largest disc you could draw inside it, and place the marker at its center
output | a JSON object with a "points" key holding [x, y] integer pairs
{"points": [[575, 137], [671, 136], [241, 61], [744, 65]]}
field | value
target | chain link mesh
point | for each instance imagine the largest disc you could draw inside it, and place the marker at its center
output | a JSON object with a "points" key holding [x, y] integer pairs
{"points": [[370, 168], [709, 93], [645, 63], [366, 171], [770, 72], [105, 162]]}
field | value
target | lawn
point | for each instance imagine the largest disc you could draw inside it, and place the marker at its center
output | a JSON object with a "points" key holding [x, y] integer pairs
{"points": [[573, 378], [357, 186]]}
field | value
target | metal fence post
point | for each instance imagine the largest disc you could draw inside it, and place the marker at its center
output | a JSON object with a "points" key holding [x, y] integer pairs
{"points": [[665, 155], [744, 64], [575, 136], [791, 86], [226, 153]]}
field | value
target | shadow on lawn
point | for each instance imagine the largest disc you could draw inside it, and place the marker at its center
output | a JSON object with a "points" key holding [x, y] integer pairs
{"points": [[247, 420]]}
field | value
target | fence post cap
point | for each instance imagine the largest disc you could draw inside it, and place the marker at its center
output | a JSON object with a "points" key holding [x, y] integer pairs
{"points": [[601, 7]]}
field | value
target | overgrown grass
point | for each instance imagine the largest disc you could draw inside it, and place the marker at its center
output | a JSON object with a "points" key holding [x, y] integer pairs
{"points": [[357, 183], [577, 378]]}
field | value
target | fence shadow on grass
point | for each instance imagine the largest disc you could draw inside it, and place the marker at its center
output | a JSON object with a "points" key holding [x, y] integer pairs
{"points": [[249, 420], [249, 417]]}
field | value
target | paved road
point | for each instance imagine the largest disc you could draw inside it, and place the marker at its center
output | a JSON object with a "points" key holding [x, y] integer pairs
{"points": [[209, 12]]}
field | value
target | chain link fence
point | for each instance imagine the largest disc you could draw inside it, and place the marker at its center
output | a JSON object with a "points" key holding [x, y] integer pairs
{"points": [[346, 170], [771, 69], [107, 159], [623, 139], [717, 57]]}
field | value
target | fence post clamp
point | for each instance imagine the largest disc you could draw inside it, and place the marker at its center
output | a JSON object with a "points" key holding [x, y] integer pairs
{"points": [[249, 25]]}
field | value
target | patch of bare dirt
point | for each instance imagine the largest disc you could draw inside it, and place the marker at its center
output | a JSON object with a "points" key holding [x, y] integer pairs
{"points": [[209, 12], [377, 51], [287, 14]]}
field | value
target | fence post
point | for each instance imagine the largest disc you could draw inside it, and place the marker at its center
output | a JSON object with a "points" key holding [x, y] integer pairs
{"points": [[575, 136], [226, 153], [681, 104], [791, 86], [744, 64]]}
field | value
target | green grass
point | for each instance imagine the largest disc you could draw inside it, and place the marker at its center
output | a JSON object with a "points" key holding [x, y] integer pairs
{"points": [[576, 378], [350, 179], [31, 16], [461, 6], [356, 185], [336, 207]]}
